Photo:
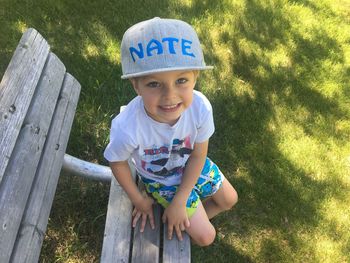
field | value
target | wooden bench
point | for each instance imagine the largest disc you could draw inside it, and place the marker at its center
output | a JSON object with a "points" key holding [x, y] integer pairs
{"points": [[37, 106], [122, 243], [38, 99]]}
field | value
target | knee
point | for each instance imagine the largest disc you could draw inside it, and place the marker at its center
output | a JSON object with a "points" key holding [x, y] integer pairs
{"points": [[206, 239], [230, 200]]}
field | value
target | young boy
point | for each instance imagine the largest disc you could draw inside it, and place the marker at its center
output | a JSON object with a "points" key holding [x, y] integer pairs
{"points": [[165, 130]]}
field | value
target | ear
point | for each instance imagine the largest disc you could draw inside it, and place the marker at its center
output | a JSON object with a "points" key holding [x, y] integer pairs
{"points": [[195, 74], [135, 86]]}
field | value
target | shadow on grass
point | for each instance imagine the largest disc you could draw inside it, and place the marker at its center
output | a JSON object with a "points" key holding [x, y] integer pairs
{"points": [[77, 221], [219, 251], [275, 195], [77, 32]]}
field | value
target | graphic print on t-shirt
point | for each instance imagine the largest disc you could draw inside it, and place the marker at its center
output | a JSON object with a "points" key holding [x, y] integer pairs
{"points": [[167, 160]]}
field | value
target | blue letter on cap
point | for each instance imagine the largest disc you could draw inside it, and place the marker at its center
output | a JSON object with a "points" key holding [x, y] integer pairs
{"points": [[139, 52], [185, 46], [156, 45], [171, 41]]}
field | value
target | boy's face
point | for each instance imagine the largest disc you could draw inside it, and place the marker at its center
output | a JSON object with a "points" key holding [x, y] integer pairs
{"points": [[166, 95]]}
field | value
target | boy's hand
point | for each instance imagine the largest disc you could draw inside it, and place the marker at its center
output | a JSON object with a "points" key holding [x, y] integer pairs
{"points": [[143, 209], [177, 218]]}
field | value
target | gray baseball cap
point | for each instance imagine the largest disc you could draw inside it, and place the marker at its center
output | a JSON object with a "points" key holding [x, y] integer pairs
{"points": [[159, 45]]}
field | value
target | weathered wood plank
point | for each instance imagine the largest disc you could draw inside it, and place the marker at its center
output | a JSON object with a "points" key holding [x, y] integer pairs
{"points": [[19, 174], [146, 245], [175, 251], [17, 88], [117, 235], [33, 227]]}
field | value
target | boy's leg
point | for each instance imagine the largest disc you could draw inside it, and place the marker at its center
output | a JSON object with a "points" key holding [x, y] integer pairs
{"points": [[201, 231], [216, 191], [224, 199]]}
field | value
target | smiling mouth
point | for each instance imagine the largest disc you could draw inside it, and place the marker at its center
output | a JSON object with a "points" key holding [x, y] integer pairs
{"points": [[170, 108]]}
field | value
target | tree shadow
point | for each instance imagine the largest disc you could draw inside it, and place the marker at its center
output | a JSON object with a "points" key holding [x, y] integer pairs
{"points": [[274, 193], [75, 30], [219, 251], [77, 221]]}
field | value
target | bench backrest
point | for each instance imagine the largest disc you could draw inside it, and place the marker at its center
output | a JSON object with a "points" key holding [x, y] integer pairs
{"points": [[37, 106]]}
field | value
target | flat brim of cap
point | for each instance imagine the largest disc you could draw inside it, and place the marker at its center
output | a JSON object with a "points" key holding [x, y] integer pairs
{"points": [[148, 72]]}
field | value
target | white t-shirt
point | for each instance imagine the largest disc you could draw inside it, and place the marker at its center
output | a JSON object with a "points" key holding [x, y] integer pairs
{"points": [[159, 151]]}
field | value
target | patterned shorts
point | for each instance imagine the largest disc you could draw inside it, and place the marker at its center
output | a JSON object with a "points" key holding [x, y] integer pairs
{"points": [[208, 183]]}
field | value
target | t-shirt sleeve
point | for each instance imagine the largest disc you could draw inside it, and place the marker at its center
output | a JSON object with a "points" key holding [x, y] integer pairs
{"points": [[206, 126], [120, 145]]}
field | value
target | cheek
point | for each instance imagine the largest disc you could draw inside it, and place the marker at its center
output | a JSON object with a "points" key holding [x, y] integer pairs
{"points": [[188, 97], [150, 100]]}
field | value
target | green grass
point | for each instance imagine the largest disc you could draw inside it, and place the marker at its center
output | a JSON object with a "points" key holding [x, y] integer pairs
{"points": [[281, 94]]}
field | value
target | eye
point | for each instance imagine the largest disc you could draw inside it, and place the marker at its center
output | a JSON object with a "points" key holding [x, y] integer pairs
{"points": [[181, 81], [153, 84]]}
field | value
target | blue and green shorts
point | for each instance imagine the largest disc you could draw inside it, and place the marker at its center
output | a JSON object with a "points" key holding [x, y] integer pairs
{"points": [[208, 184]]}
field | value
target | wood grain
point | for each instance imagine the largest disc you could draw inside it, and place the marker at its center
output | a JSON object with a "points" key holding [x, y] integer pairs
{"points": [[17, 88]]}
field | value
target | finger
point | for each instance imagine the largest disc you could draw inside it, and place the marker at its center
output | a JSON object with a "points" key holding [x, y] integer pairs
{"points": [[187, 223], [143, 222], [134, 212], [178, 233], [136, 218], [164, 218], [170, 231], [151, 220], [182, 227]]}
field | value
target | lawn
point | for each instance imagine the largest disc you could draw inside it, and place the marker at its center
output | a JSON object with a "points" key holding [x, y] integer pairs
{"points": [[281, 97]]}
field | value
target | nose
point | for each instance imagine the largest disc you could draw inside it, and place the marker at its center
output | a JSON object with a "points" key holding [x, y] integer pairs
{"points": [[169, 91]]}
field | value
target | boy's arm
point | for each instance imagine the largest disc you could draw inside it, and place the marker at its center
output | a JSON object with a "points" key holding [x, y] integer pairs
{"points": [[176, 214], [143, 204]]}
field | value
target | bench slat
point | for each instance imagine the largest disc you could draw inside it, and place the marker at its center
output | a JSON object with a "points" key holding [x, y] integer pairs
{"points": [[33, 227], [175, 251], [146, 245], [20, 171], [116, 241], [17, 88]]}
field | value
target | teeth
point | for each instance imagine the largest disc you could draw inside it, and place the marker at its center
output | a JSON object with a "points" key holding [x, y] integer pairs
{"points": [[170, 107]]}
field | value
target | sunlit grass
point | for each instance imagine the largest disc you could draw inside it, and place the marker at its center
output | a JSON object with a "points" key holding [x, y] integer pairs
{"points": [[280, 93]]}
